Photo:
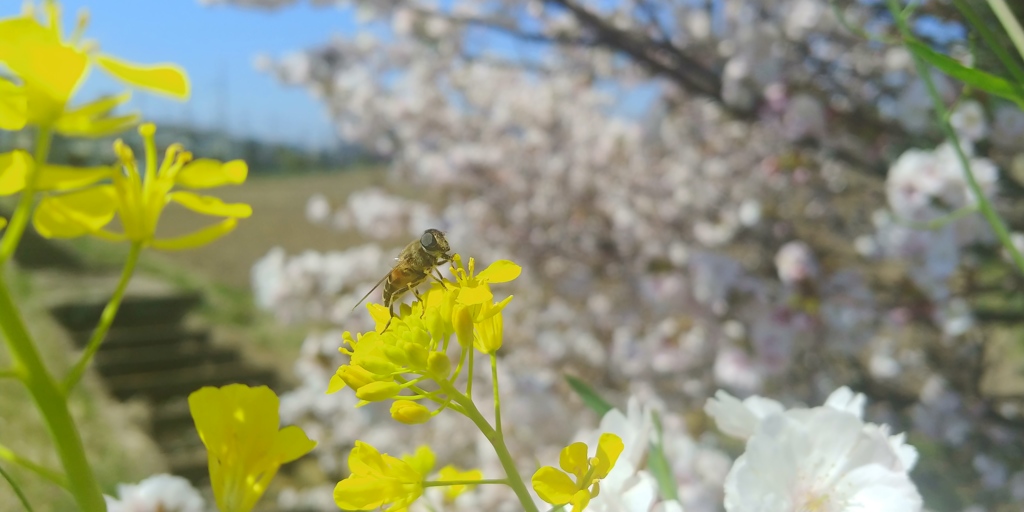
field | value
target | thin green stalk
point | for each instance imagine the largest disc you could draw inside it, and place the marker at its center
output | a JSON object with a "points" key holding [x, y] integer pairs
{"points": [[515, 481], [497, 400], [444, 483], [9, 373], [106, 319], [984, 205], [43, 472], [17, 489], [51, 402], [16, 228], [1010, 23], [469, 373]]}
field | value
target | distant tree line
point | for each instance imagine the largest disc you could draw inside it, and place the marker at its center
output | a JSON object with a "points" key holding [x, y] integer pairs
{"points": [[263, 157]]}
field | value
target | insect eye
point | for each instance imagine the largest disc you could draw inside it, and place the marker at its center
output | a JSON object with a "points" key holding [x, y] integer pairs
{"points": [[428, 241]]}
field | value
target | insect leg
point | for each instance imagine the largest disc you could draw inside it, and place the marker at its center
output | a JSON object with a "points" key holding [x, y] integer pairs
{"points": [[423, 305], [391, 309], [439, 278]]}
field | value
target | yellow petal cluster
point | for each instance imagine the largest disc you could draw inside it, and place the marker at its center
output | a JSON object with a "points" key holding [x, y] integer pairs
{"points": [[84, 201], [577, 481], [238, 425], [378, 479], [51, 68], [385, 362]]}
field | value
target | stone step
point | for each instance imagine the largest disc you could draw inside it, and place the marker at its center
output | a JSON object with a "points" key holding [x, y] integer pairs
{"points": [[180, 356], [143, 335], [134, 311], [167, 384]]}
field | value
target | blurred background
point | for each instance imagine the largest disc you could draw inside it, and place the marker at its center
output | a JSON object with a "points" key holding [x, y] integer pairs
{"points": [[721, 194]]}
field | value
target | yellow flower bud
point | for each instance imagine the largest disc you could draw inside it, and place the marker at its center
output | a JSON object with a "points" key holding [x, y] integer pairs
{"points": [[396, 355], [491, 331], [409, 412], [439, 365], [377, 391], [463, 322], [355, 376], [417, 355]]}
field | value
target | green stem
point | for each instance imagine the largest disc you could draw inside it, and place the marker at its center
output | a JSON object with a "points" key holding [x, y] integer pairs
{"points": [[984, 205], [106, 319], [44, 472], [515, 481], [1010, 24], [497, 400], [9, 373], [51, 404], [12, 236], [469, 373], [444, 483], [17, 490]]}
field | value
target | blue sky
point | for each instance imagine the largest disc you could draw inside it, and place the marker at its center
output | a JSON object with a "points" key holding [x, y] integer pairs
{"points": [[216, 45]]}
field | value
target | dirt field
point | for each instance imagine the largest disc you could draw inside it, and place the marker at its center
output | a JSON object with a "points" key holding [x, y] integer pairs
{"points": [[278, 219]]}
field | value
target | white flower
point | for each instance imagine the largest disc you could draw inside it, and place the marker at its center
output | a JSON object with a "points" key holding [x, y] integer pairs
{"points": [[318, 209], [740, 419], [820, 459], [795, 262], [969, 121], [158, 493]]}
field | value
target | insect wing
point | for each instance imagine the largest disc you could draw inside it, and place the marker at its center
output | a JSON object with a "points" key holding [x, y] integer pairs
{"points": [[371, 290]]}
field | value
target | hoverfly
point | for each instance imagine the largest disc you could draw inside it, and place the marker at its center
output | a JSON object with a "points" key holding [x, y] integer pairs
{"points": [[418, 261]]}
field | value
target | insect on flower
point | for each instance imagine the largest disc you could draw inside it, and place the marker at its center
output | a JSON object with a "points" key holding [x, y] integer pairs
{"points": [[418, 261]]}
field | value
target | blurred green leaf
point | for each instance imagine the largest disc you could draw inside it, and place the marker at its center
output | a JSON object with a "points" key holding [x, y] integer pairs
{"points": [[975, 78], [590, 397], [658, 464]]}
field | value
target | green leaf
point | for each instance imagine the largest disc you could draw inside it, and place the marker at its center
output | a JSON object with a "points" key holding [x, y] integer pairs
{"points": [[975, 78], [658, 464], [590, 397]]}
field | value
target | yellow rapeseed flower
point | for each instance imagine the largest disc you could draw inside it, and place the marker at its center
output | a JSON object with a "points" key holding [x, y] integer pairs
{"points": [[52, 68], [379, 479], [450, 473], [557, 487], [138, 198], [239, 426]]}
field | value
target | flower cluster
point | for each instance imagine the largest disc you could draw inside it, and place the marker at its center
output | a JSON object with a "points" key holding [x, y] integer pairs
{"points": [[652, 235]]}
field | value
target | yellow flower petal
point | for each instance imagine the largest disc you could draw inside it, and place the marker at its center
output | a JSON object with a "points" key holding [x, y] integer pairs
{"points": [[609, 447], [198, 238], [94, 118], [14, 168], [209, 205], [13, 106], [490, 334], [290, 444], [450, 473], [553, 486], [422, 462], [50, 70], [501, 271], [166, 79], [473, 295], [75, 214], [336, 384], [65, 177], [580, 500], [238, 425], [573, 459], [364, 493], [207, 173]]}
